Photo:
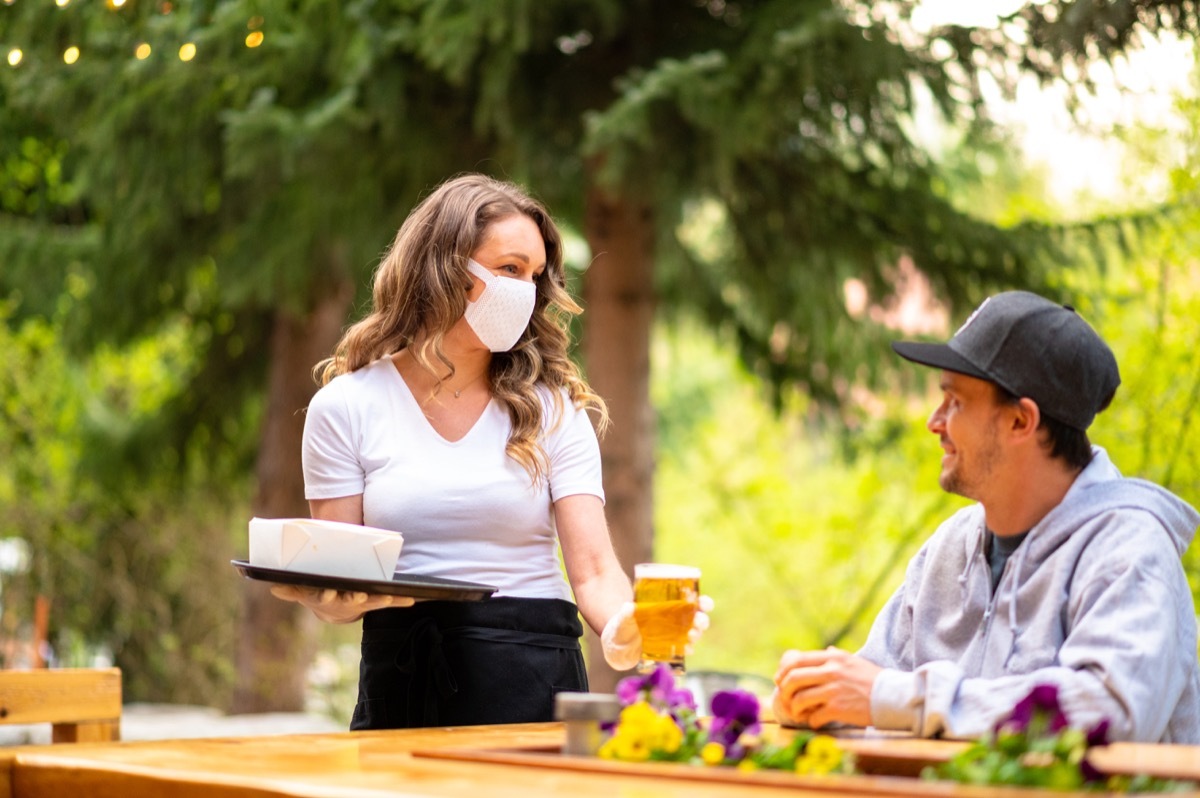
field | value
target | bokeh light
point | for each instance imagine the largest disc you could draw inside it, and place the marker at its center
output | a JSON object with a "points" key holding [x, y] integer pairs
{"points": [[254, 39], [187, 52], [142, 52], [70, 55], [14, 56]]}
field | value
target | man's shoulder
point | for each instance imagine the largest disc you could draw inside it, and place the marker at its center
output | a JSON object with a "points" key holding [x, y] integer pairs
{"points": [[1121, 507], [963, 522], [960, 531]]}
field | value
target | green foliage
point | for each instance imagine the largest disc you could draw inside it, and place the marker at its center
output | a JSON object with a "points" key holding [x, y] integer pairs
{"points": [[796, 125], [1148, 315], [1151, 430], [289, 162], [1061, 40], [1146, 309], [39, 412], [33, 179], [128, 572], [153, 577]]}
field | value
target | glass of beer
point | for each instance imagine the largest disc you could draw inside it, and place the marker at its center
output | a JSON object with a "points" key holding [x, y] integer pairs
{"points": [[666, 598]]}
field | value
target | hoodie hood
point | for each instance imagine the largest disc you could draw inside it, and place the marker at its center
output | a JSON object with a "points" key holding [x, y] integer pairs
{"points": [[1100, 489]]}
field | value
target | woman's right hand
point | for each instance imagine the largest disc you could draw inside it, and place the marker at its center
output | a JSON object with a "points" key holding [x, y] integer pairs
{"points": [[338, 606], [621, 639]]}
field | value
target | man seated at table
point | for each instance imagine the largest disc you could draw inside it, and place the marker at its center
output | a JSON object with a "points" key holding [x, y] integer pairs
{"points": [[1063, 573]]}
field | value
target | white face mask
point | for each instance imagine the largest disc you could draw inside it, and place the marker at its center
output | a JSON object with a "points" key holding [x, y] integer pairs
{"points": [[502, 311]]}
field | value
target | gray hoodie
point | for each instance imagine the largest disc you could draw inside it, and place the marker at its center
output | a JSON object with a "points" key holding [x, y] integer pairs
{"points": [[1095, 601]]}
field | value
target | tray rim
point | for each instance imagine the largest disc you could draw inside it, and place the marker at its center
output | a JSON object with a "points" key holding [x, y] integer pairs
{"points": [[423, 587]]}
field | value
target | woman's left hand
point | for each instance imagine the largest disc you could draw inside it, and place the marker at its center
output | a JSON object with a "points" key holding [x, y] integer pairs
{"points": [[622, 640], [337, 606]]}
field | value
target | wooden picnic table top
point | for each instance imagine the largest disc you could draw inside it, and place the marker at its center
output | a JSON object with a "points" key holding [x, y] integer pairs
{"points": [[469, 762]]}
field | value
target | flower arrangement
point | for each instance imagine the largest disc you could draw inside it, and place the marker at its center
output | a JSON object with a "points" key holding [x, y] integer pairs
{"points": [[659, 723], [1035, 746]]}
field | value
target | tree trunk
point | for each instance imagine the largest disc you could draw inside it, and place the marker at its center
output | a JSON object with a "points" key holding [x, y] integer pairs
{"points": [[618, 293], [277, 639]]}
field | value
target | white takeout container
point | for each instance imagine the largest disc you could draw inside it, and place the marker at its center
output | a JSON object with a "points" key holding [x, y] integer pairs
{"points": [[328, 548]]}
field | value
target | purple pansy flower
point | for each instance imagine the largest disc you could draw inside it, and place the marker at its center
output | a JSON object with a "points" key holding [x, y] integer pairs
{"points": [[658, 689], [680, 699], [734, 712], [1098, 734], [735, 706], [1041, 703], [1089, 772], [1037, 724]]}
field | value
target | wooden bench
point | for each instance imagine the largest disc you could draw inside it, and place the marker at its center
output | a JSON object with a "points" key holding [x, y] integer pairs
{"points": [[81, 704]]}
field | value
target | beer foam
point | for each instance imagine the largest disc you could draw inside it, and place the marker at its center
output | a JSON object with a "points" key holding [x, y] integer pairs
{"points": [[659, 570]]}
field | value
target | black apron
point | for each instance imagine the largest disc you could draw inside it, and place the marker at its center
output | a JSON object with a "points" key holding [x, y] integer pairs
{"points": [[463, 663]]}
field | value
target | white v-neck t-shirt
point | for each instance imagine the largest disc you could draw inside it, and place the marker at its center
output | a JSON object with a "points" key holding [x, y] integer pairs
{"points": [[465, 508]]}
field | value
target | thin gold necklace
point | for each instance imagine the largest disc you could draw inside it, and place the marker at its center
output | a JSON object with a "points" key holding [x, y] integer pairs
{"points": [[458, 392]]}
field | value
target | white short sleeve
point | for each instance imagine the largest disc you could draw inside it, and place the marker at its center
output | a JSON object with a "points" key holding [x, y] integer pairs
{"points": [[574, 454], [330, 449]]}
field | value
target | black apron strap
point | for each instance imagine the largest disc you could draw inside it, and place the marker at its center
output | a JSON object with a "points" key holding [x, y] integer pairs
{"points": [[539, 639], [420, 657]]}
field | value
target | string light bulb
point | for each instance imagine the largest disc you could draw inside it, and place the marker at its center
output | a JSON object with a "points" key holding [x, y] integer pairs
{"points": [[142, 52], [254, 38], [14, 56], [61, 3], [187, 52], [70, 55]]}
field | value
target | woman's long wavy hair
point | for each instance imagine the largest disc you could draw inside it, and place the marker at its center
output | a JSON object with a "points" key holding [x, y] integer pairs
{"points": [[420, 292]]}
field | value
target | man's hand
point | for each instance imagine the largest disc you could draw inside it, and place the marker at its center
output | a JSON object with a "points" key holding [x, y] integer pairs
{"points": [[816, 688], [338, 606]]}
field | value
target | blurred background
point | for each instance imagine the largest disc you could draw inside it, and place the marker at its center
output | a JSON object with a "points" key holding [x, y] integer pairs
{"points": [[758, 196]]}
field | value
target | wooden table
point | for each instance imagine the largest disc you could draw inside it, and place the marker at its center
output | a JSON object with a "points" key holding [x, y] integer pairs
{"points": [[445, 762]]}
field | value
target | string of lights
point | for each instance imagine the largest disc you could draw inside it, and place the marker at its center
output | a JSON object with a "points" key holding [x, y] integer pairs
{"points": [[142, 50]]}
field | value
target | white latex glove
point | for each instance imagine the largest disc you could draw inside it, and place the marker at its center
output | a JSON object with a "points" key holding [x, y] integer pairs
{"points": [[338, 606], [622, 640]]}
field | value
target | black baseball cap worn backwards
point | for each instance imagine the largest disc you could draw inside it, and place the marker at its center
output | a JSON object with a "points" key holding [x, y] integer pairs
{"points": [[1033, 348]]}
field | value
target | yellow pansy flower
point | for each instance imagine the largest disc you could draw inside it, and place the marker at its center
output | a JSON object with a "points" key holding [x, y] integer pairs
{"points": [[713, 753], [667, 736], [639, 716], [822, 755]]}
